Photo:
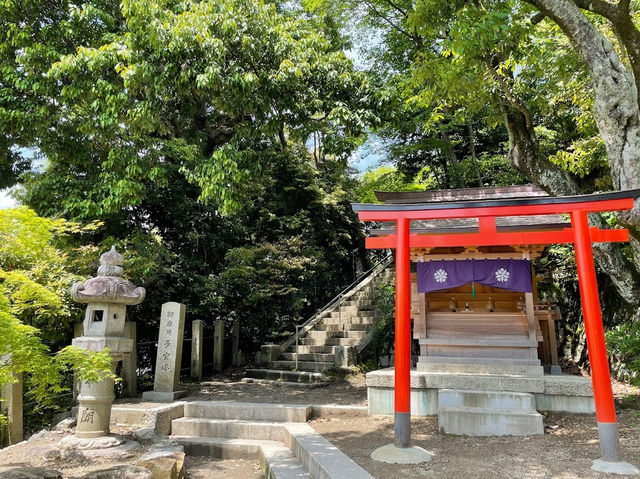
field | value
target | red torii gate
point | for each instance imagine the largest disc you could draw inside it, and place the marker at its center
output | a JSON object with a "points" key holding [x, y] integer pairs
{"points": [[580, 234]]}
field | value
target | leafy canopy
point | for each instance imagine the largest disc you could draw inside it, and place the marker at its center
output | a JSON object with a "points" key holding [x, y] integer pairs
{"points": [[207, 86]]}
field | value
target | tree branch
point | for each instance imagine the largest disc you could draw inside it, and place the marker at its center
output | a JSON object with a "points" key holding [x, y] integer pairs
{"points": [[397, 8], [537, 18], [509, 95], [601, 7], [393, 25]]}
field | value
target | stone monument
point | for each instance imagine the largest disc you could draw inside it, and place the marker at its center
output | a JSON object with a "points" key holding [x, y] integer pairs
{"points": [[167, 376], [107, 297]]}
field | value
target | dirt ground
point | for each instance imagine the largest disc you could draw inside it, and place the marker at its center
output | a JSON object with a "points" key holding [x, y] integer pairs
{"points": [[565, 451], [350, 389], [204, 468]]}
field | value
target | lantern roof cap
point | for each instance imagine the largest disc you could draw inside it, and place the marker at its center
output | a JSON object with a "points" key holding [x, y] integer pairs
{"points": [[109, 286]]}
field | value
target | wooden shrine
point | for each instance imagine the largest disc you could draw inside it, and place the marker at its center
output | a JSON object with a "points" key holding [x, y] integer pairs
{"points": [[486, 330]]}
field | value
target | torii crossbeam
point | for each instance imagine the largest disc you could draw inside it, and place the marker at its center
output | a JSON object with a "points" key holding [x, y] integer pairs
{"points": [[486, 211]]}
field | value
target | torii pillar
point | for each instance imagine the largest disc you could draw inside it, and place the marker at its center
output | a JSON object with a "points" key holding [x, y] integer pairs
{"points": [[486, 211], [611, 458], [401, 451]]}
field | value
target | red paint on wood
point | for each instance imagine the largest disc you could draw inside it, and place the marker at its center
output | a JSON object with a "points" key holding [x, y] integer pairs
{"points": [[403, 319], [520, 210], [602, 393], [488, 238]]}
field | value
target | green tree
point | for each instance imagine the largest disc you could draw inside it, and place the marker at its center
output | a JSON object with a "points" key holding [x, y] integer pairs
{"points": [[34, 295]]}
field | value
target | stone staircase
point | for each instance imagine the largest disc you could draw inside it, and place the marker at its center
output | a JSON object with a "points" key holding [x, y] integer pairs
{"points": [[488, 413], [275, 434], [333, 337]]}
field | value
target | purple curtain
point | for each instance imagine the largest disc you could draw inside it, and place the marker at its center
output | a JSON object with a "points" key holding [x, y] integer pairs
{"points": [[511, 274], [441, 274]]}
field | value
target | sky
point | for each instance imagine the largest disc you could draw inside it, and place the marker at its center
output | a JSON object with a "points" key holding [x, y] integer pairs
{"points": [[5, 200]]}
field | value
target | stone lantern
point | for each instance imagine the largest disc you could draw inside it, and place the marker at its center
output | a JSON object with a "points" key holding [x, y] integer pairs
{"points": [[107, 297]]}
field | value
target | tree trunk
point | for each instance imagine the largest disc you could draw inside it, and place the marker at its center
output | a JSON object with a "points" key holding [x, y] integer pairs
{"points": [[526, 157], [472, 148], [616, 97]]}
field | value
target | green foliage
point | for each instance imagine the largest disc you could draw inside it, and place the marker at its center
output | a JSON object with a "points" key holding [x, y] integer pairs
{"points": [[209, 89], [34, 286], [387, 178], [303, 237], [624, 342], [383, 332]]}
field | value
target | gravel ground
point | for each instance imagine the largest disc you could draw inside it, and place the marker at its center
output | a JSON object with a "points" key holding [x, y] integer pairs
{"points": [[565, 451]]}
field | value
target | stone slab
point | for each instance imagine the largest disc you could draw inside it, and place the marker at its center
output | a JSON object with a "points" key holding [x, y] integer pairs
{"points": [[284, 384], [562, 403], [129, 416], [400, 455], [220, 448], [320, 458], [163, 396], [424, 402], [491, 369], [568, 385], [160, 418], [501, 400], [427, 380], [229, 428], [130, 362], [573, 394], [288, 376], [466, 421], [171, 335], [248, 411], [197, 335]]}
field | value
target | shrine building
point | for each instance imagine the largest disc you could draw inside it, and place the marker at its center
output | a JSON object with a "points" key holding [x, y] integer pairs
{"points": [[467, 300]]}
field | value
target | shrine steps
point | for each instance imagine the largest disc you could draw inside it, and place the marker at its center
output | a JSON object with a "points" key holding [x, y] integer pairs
{"points": [[344, 323], [276, 435], [491, 366], [488, 413]]}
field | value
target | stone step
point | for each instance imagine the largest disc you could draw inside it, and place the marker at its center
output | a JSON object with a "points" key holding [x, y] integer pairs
{"points": [[329, 342], [498, 400], [248, 411], [342, 327], [228, 428], [361, 302], [480, 342], [306, 349], [335, 334], [350, 320], [289, 376], [479, 365], [353, 312], [316, 366], [276, 459], [471, 421], [308, 357]]}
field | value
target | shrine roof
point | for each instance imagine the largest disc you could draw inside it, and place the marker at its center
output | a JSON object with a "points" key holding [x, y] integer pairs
{"points": [[546, 216], [460, 194]]}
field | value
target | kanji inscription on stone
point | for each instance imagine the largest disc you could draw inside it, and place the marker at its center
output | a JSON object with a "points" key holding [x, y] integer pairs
{"points": [[169, 355], [87, 416]]}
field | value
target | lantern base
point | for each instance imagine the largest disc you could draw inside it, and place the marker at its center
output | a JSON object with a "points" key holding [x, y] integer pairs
{"points": [[103, 442]]}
